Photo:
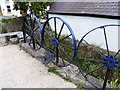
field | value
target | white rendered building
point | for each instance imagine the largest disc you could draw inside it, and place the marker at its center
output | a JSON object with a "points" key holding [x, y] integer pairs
{"points": [[84, 16], [6, 8]]}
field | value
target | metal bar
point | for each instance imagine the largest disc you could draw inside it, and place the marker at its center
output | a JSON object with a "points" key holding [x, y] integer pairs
{"points": [[65, 53], [117, 53], [106, 41], [49, 50], [49, 27], [33, 42], [57, 50], [66, 46], [94, 70], [55, 28], [57, 55], [61, 57], [28, 23], [91, 60], [60, 30], [27, 26], [106, 77], [49, 35], [24, 34], [36, 28], [31, 22], [65, 37], [93, 48]]}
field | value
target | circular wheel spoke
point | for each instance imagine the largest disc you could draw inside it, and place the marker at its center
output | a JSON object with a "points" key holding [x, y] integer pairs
{"points": [[65, 54], [36, 29], [49, 34], [31, 27], [56, 39], [66, 46], [94, 48], [98, 64], [60, 31], [62, 58], [106, 42], [117, 53], [90, 60], [27, 26], [48, 43], [28, 22], [65, 37], [94, 70]]}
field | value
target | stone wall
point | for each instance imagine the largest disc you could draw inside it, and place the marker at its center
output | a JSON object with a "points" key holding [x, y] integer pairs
{"points": [[15, 25]]}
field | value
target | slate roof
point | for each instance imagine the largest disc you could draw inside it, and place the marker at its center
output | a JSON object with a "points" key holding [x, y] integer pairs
{"points": [[87, 8]]}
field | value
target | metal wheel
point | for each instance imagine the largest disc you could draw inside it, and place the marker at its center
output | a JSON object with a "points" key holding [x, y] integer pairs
{"points": [[99, 62], [32, 31], [58, 38]]}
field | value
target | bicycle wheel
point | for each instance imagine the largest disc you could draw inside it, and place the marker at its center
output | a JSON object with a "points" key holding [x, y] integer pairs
{"points": [[58, 38], [97, 59], [32, 31]]}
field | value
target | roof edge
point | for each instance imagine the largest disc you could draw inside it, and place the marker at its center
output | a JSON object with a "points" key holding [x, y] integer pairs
{"points": [[85, 14]]}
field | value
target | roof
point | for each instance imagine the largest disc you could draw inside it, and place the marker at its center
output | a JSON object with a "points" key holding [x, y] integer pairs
{"points": [[105, 9]]}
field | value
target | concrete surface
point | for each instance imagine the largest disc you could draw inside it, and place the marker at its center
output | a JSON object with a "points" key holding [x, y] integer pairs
{"points": [[19, 70], [70, 71]]}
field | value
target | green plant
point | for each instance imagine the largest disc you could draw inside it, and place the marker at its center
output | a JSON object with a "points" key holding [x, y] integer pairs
{"points": [[23, 6], [77, 40], [92, 68], [5, 20], [115, 83], [52, 69], [38, 8], [12, 19], [4, 30], [8, 20], [80, 85]]}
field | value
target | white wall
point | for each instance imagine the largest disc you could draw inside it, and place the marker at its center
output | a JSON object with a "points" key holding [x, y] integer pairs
{"points": [[4, 5], [81, 25]]}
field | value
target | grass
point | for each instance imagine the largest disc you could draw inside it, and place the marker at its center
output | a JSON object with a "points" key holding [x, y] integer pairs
{"points": [[80, 85], [53, 70]]}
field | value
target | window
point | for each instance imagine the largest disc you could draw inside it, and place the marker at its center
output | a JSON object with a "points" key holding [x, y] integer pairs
{"points": [[8, 9], [8, 6]]}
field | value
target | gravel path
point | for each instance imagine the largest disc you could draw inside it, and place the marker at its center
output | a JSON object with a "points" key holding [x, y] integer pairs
{"points": [[19, 70]]}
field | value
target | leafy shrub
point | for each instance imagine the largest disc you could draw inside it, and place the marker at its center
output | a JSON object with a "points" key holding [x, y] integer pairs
{"points": [[5, 20], [4, 30], [8, 20]]}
